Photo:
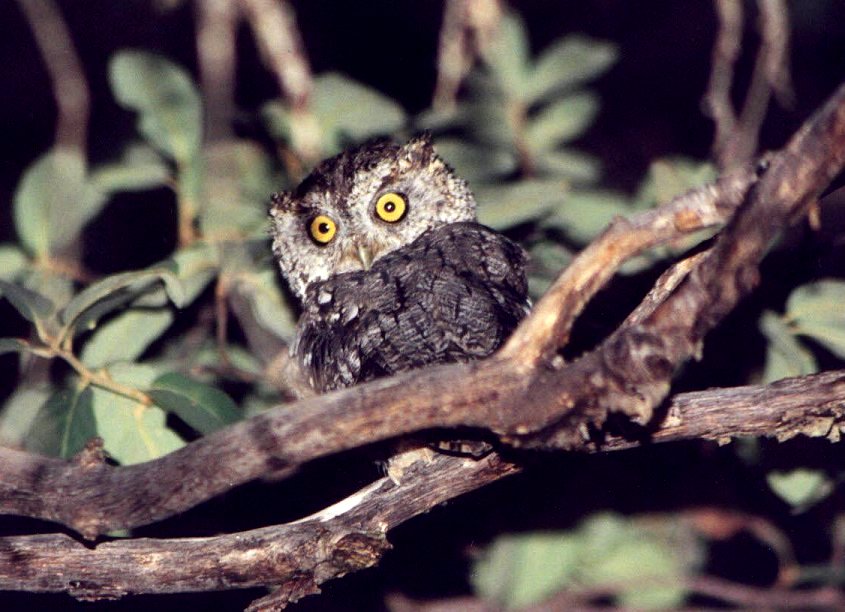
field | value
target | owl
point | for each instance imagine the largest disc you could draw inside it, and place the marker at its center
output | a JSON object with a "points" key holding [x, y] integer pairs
{"points": [[381, 245]]}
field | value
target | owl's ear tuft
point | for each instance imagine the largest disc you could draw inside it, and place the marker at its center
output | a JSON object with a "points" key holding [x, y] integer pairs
{"points": [[282, 201], [419, 149]]}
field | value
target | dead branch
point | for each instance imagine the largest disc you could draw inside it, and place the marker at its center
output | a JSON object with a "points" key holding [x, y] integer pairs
{"points": [[348, 536], [351, 535]]}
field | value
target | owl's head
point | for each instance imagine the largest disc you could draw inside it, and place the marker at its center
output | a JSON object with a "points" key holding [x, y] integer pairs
{"points": [[362, 204]]}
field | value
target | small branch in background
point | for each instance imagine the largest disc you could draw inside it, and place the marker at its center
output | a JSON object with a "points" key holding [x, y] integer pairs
{"points": [[717, 99], [216, 28], [467, 28], [70, 88], [274, 27], [762, 598], [737, 137]]}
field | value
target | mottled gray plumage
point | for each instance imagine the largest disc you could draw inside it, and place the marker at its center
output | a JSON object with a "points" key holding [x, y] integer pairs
{"points": [[435, 287]]}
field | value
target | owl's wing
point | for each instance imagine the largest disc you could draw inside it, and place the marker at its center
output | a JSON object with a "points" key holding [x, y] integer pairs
{"points": [[454, 294]]}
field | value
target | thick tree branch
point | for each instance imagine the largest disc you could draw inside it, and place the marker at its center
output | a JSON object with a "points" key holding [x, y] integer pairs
{"points": [[524, 394], [351, 535]]}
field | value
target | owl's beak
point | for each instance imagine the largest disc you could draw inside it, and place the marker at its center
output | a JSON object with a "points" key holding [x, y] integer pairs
{"points": [[365, 255]]}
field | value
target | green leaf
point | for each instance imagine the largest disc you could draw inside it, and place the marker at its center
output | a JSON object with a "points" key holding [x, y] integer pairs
{"points": [[32, 306], [204, 408], [12, 261], [562, 121], [348, 110], [239, 177], [785, 357], [115, 291], [644, 563], [568, 62], [548, 259], [670, 177], [584, 214], [139, 168], [492, 125], [270, 309], [502, 206], [475, 162], [126, 336], [571, 165], [800, 488], [518, 570], [53, 202], [508, 56], [164, 95], [816, 310], [19, 413], [132, 432], [65, 423]]}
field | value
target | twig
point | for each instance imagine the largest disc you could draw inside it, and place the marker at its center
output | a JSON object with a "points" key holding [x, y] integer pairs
{"points": [[736, 138], [274, 27], [216, 25], [70, 88], [717, 99], [467, 28], [826, 598]]}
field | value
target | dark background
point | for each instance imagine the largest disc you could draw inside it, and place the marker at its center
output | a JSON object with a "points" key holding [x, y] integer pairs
{"points": [[651, 108]]}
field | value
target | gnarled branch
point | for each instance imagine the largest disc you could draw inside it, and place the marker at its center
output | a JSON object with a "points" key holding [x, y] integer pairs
{"points": [[524, 394]]}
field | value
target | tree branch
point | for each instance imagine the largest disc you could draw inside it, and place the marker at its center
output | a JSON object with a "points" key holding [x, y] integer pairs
{"points": [[351, 535], [629, 372]]}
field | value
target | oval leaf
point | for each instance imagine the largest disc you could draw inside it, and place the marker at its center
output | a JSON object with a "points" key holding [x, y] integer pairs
{"points": [[170, 112], [132, 432], [140, 168], [54, 201], [12, 261], [508, 56], [800, 488], [32, 306], [816, 310], [119, 288], [347, 108], [785, 357], [64, 424], [572, 60], [503, 206], [560, 122], [201, 406], [125, 337]]}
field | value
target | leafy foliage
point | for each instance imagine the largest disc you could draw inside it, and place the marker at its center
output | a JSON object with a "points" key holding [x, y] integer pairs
{"points": [[644, 562]]}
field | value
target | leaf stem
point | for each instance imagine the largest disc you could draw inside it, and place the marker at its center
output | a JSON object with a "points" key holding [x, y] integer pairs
{"points": [[102, 379]]}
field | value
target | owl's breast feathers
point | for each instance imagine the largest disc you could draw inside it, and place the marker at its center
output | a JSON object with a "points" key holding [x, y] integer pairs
{"points": [[454, 294]]}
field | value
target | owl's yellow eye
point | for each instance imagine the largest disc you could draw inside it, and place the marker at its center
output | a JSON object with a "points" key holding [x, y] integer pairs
{"points": [[322, 229], [391, 207]]}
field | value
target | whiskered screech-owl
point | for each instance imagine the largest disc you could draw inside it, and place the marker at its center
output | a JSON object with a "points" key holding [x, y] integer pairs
{"points": [[381, 245]]}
